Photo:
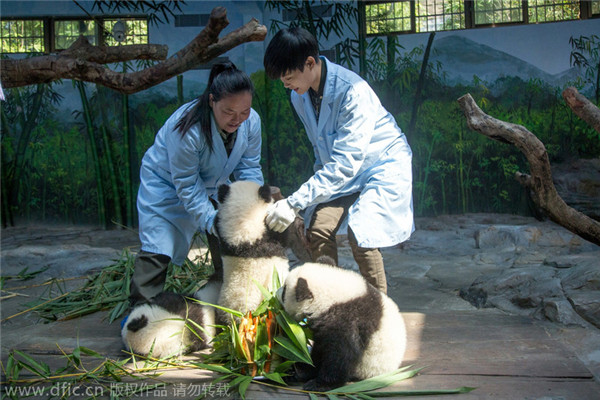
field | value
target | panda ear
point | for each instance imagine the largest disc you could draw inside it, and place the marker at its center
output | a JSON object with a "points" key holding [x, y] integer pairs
{"points": [[264, 192], [302, 290], [223, 193]]}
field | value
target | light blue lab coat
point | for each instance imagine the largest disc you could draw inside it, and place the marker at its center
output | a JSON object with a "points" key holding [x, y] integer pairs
{"points": [[358, 148], [178, 175]]}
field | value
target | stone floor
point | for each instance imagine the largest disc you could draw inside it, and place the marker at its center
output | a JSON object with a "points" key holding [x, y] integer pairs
{"points": [[509, 348]]}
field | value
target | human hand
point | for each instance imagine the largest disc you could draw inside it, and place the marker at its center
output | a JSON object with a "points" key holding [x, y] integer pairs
{"points": [[280, 215]]}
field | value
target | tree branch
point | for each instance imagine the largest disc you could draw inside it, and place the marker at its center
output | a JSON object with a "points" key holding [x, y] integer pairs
{"points": [[540, 179], [83, 61], [582, 107]]}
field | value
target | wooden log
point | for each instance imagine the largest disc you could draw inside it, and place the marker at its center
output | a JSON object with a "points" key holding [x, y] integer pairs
{"points": [[539, 180]]}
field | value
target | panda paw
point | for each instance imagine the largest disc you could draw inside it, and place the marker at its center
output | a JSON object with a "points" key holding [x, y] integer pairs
{"points": [[304, 372]]}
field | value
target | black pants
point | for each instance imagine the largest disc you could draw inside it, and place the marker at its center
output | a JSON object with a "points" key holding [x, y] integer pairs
{"points": [[150, 272]]}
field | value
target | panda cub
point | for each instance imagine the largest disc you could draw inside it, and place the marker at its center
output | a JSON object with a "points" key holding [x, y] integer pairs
{"points": [[160, 325], [250, 251], [358, 331]]}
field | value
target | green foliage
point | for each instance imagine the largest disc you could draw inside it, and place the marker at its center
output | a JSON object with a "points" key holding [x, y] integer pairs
{"points": [[55, 168], [456, 170], [108, 289], [586, 55]]}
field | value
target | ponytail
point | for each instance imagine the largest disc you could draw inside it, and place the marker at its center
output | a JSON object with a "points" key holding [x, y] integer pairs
{"points": [[224, 80]]}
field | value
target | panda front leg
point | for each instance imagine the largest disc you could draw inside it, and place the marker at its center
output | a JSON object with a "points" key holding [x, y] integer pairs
{"points": [[335, 356]]}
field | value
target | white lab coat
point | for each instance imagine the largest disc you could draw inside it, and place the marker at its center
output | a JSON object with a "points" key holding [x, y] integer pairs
{"points": [[178, 175], [358, 148]]}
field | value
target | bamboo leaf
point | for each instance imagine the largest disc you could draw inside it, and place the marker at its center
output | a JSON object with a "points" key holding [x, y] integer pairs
{"points": [[294, 331], [276, 282], [286, 348], [377, 382], [213, 367], [227, 310], [89, 352], [425, 392], [364, 396], [275, 377], [266, 294], [244, 386], [284, 366], [34, 366]]}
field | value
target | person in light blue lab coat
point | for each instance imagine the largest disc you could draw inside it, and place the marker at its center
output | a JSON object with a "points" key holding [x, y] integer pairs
{"points": [[363, 161], [200, 146]]}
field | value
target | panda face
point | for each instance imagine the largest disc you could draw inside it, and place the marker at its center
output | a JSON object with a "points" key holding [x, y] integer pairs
{"points": [[296, 297], [242, 210], [311, 289]]}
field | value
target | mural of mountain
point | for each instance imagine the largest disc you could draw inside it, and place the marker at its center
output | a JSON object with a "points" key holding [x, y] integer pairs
{"points": [[462, 58]]}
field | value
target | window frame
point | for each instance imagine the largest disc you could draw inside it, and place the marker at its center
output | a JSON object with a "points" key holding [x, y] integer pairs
{"points": [[585, 12], [50, 34]]}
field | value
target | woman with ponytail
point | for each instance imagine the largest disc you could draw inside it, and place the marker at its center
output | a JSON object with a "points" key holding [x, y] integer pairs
{"points": [[200, 146]]}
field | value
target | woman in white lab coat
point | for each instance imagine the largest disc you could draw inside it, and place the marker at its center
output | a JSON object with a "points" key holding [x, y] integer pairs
{"points": [[198, 148], [363, 161]]}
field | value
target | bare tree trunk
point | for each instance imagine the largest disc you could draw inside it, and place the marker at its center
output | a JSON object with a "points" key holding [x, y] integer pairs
{"points": [[540, 179], [582, 107], [83, 61]]}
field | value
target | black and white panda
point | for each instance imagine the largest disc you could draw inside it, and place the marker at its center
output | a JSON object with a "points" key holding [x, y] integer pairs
{"points": [[250, 251], [358, 331], [167, 325]]}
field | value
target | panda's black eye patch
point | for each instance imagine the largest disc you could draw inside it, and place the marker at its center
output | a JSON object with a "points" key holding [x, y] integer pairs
{"points": [[137, 323]]}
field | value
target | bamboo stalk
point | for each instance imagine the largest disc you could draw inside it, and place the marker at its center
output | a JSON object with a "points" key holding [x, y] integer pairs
{"points": [[95, 156]]}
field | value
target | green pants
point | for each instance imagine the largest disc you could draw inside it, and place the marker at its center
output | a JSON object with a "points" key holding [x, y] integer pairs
{"points": [[322, 231]]}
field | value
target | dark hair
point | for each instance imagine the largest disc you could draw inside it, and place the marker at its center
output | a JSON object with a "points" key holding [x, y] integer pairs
{"points": [[288, 51], [224, 80]]}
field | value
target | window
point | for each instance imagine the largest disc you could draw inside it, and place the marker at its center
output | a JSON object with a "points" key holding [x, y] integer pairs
{"points": [[22, 36], [136, 31], [430, 15], [394, 16], [67, 32], [550, 11], [440, 15], [388, 17], [489, 12], [47, 35]]}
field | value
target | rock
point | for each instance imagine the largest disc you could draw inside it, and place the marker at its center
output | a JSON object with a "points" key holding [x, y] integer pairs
{"points": [[560, 310], [506, 237], [587, 305], [516, 289], [578, 183], [583, 276]]}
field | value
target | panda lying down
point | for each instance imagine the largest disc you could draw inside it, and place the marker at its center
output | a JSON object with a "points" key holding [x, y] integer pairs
{"points": [[358, 331]]}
